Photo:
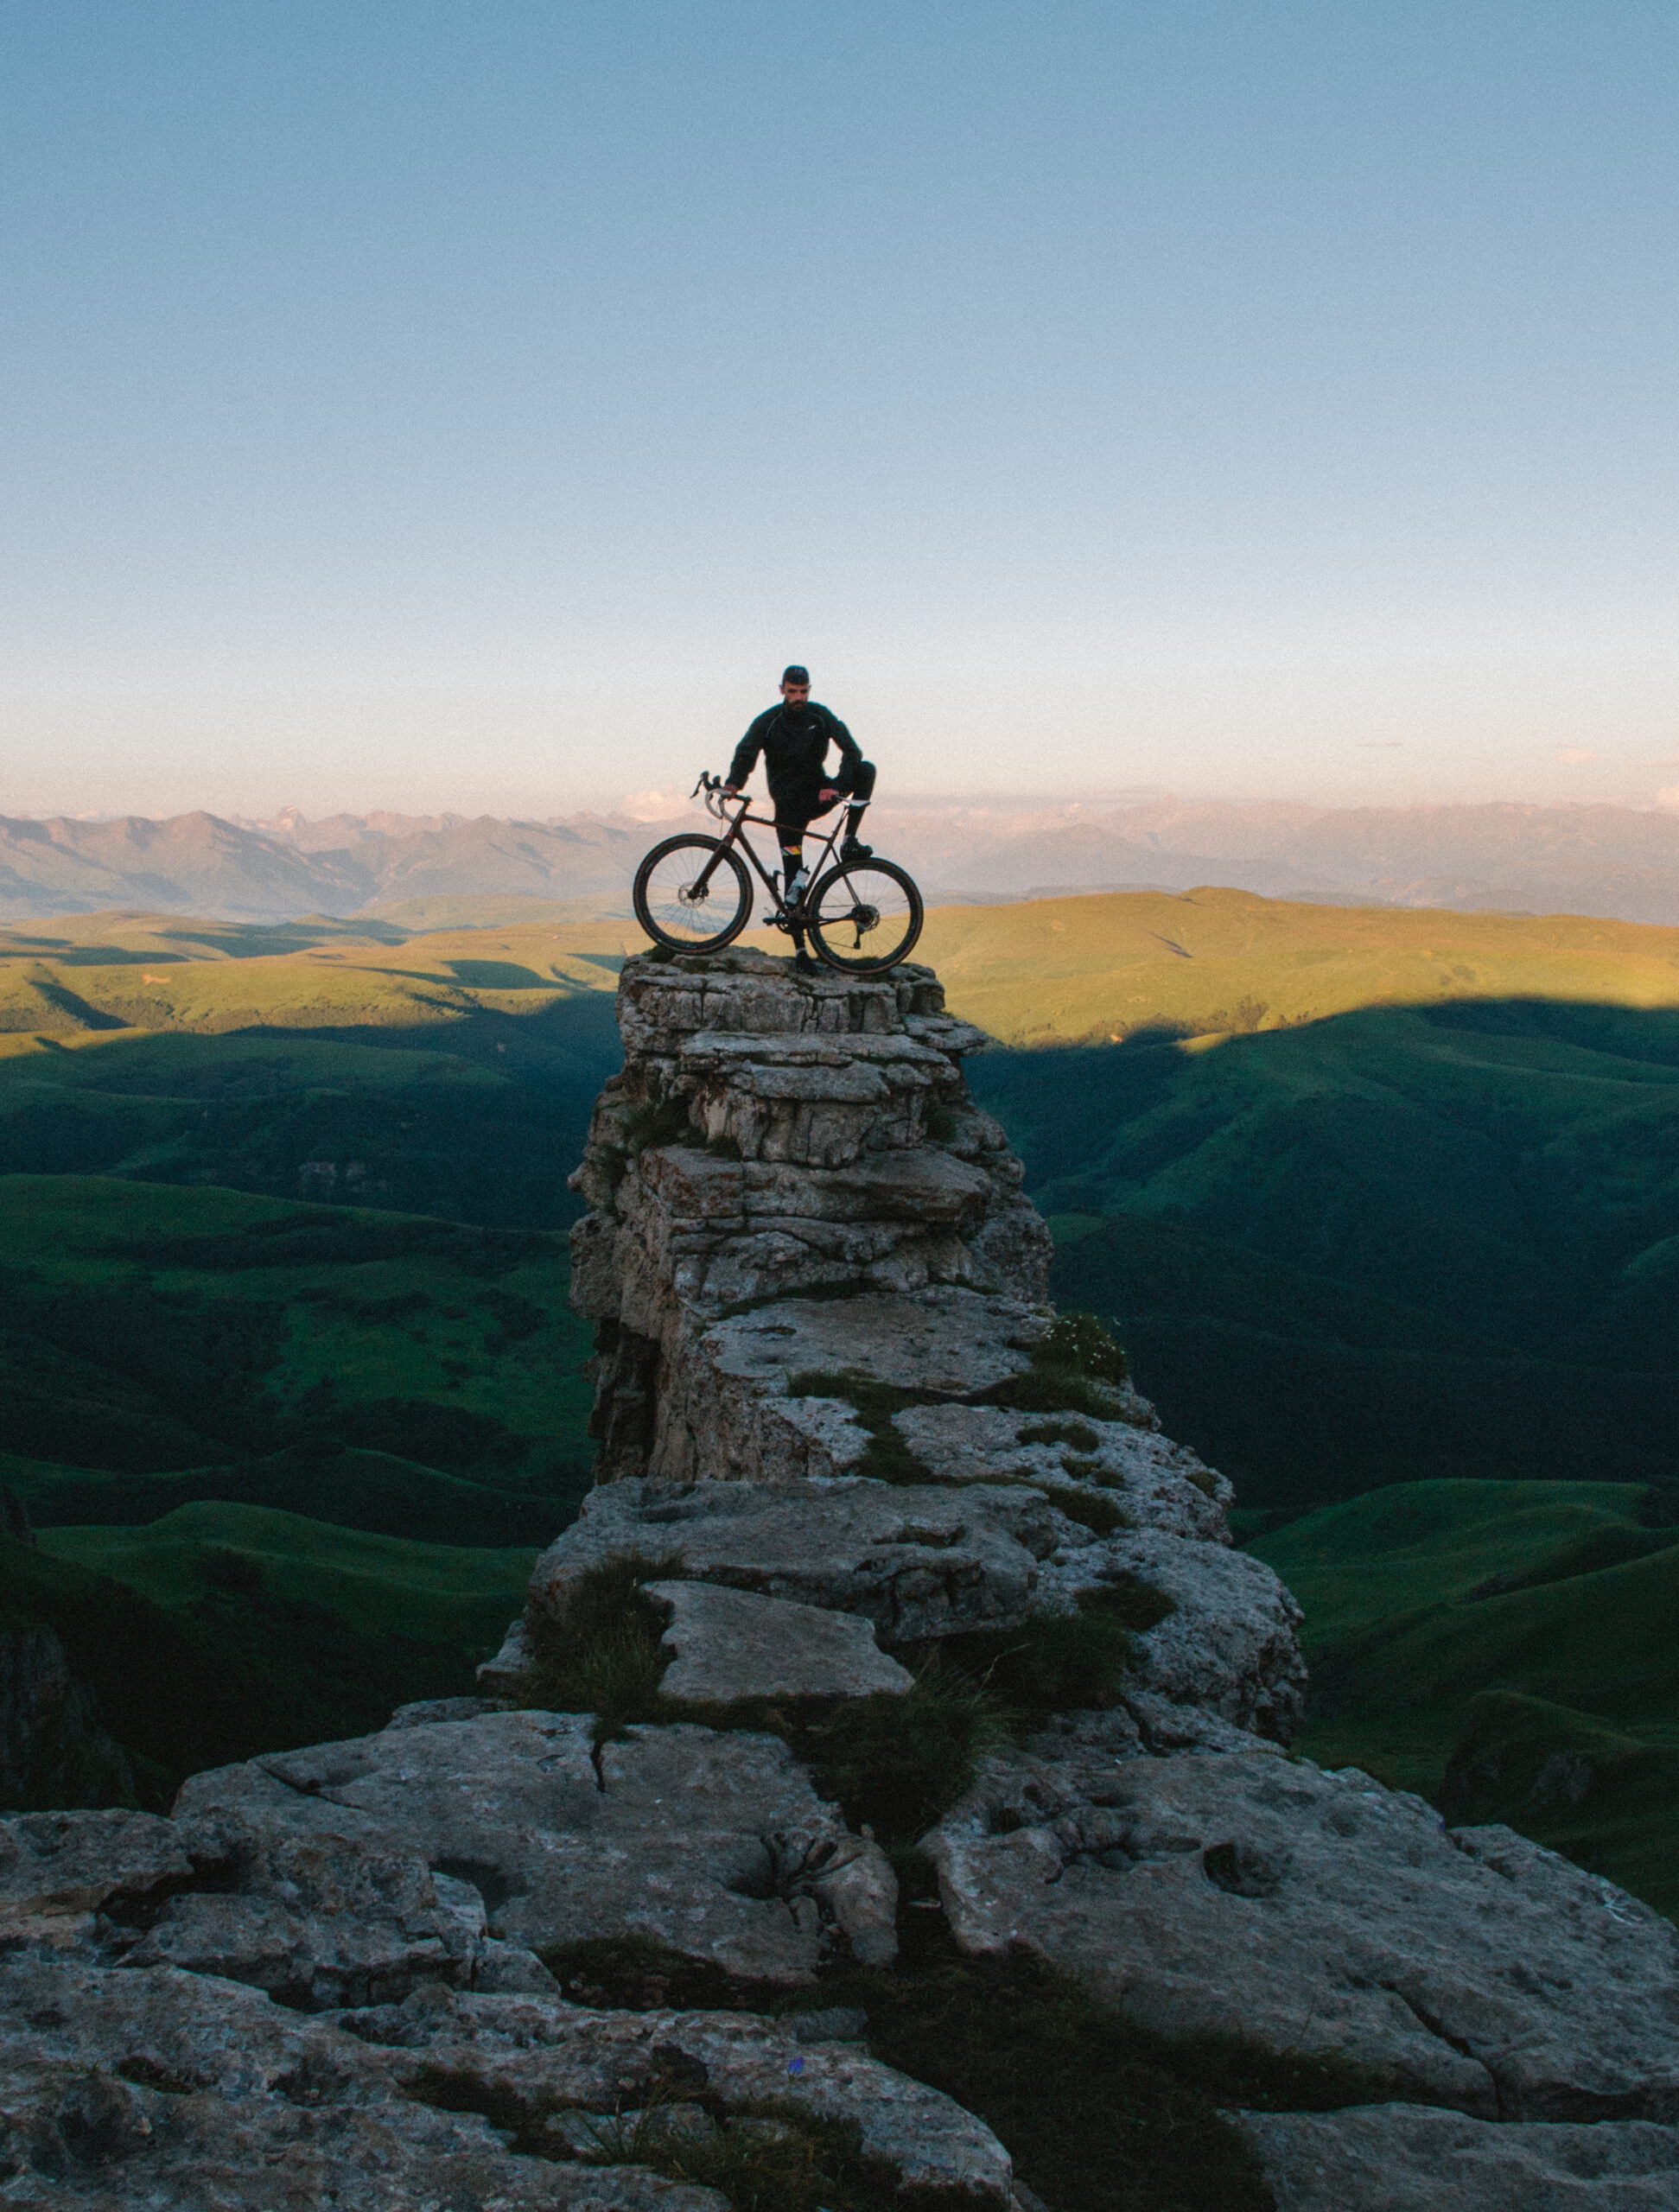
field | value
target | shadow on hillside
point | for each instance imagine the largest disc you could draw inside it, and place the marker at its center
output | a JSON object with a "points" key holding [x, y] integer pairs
{"points": [[482, 1128], [1398, 1242]]}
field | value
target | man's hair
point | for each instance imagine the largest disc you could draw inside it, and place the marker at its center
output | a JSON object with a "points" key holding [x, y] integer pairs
{"points": [[795, 674]]}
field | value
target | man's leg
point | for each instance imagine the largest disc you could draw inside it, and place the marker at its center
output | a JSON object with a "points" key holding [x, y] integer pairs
{"points": [[793, 862], [861, 786], [793, 813]]}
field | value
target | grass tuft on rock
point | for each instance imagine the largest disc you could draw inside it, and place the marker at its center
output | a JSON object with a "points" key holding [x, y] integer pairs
{"points": [[1057, 1662], [1091, 1509], [1078, 1434], [1076, 1368], [603, 1655], [897, 1762], [777, 2157], [1095, 2114], [888, 1457]]}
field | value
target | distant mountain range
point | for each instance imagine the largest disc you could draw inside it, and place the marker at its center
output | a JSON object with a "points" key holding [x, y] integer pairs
{"points": [[1617, 861]]}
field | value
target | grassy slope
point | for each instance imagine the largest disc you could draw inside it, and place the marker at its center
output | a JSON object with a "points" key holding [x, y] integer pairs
{"points": [[437, 1593], [1083, 971], [234, 1666], [1340, 1250], [449, 1074], [1529, 1627], [377, 1308]]}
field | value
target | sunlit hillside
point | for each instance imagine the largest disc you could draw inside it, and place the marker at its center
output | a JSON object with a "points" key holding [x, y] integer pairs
{"points": [[1064, 971], [93, 974]]}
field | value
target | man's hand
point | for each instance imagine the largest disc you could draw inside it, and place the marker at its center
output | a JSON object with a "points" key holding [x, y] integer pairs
{"points": [[827, 796], [731, 790]]}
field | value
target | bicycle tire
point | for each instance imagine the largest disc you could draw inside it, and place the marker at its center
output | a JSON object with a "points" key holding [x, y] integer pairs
{"points": [[823, 928], [650, 896]]}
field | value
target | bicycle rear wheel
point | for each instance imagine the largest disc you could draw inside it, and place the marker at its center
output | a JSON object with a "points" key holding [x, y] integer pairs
{"points": [[692, 896], [864, 917]]}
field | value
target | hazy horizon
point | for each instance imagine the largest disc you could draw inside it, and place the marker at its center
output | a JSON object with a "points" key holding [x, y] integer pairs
{"points": [[446, 410]]}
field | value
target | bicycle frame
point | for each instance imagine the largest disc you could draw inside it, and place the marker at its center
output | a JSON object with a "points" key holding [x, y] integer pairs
{"points": [[717, 807]]}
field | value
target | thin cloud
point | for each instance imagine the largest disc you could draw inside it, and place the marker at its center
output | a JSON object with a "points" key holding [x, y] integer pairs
{"points": [[1575, 753], [1380, 745]]}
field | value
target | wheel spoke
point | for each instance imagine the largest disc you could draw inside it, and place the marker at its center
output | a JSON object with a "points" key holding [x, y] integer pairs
{"points": [[690, 896], [866, 916]]}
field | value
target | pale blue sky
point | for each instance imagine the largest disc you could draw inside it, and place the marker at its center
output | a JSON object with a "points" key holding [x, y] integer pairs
{"points": [[473, 404]]}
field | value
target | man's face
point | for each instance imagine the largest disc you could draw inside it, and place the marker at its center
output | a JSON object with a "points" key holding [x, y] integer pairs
{"points": [[795, 694]]}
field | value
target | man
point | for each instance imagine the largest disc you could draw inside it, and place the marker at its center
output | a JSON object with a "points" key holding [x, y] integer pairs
{"points": [[794, 738]]}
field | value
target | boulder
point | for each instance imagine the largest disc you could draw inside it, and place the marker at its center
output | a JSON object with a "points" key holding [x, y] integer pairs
{"points": [[1231, 1645], [60, 1864], [714, 1844], [1318, 1913], [1416, 2157], [140, 2088], [730, 1644], [917, 1562], [522, 2055], [1155, 1482]]}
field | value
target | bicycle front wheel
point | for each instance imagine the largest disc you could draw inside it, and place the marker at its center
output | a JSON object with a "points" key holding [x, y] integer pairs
{"points": [[692, 896], [864, 917]]}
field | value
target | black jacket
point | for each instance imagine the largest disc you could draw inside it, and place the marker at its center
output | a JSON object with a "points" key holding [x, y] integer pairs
{"points": [[794, 741]]}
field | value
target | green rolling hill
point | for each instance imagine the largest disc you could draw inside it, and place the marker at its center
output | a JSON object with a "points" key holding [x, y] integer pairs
{"points": [[1508, 1649], [1430, 1238], [149, 1331]]}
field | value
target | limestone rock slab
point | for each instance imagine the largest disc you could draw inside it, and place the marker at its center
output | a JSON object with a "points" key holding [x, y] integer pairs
{"points": [[530, 2053], [729, 1644], [1321, 1913], [320, 1921], [917, 1562], [708, 1842], [124, 2089], [1415, 2158], [948, 1340], [55, 1864], [1158, 1484], [1231, 1646]]}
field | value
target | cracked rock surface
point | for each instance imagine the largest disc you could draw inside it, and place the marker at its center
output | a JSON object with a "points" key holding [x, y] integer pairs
{"points": [[1322, 1913], [773, 1136], [154, 2087], [715, 1844], [521, 2050], [1415, 2158], [1231, 1645], [916, 1561], [731, 1645]]}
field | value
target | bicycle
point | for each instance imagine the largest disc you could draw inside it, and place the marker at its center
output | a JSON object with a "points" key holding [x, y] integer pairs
{"points": [[692, 894]]}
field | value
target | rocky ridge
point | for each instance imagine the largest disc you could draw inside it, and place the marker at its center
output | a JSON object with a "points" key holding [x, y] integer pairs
{"points": [[840, 1433]]}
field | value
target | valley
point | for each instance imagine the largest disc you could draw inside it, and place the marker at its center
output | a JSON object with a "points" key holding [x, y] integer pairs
{"points": [[1382, 1203]]}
